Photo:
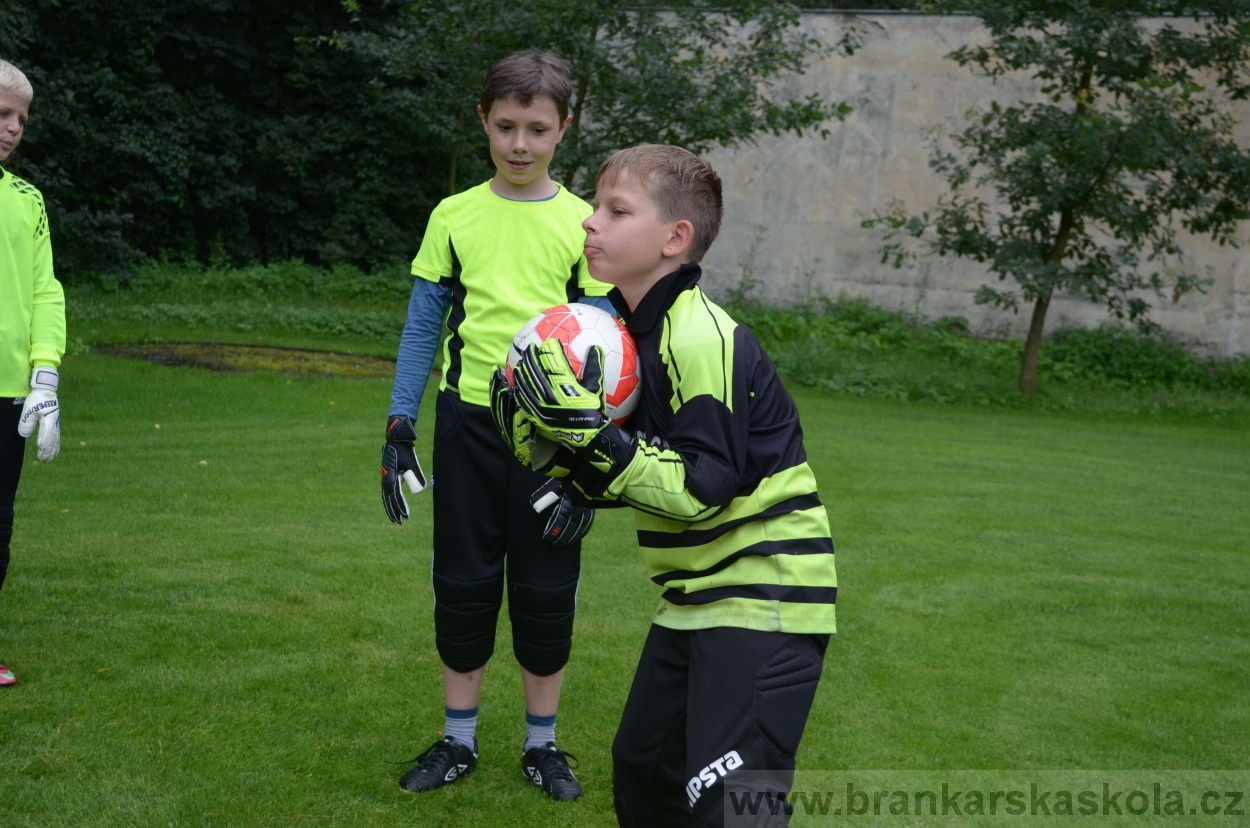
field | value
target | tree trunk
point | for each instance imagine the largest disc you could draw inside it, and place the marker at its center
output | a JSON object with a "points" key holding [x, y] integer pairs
{"points": [[1033, 346], [451, 173], [1058, 249]]}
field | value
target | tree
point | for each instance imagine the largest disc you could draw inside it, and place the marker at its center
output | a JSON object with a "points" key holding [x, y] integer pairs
{"points": [[14, 28], [209, 131], [702, 73], [1131, 144]]}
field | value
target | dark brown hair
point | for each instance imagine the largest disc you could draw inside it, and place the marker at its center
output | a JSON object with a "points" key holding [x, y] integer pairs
{"points": [[527, 75], [682, 185]]}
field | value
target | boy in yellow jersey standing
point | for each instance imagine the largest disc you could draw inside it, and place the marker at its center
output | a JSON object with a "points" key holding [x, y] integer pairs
{"points": [[32, 318], [728, 516], [492, 257]]}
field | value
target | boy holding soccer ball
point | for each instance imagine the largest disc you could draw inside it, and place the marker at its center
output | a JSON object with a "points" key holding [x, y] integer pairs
{"points": [[32, 318], [491, 258], [727, 512]]}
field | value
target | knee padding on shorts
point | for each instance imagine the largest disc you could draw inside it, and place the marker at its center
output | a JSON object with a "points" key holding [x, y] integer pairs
{"points": [[542, 625], [465, 615]]}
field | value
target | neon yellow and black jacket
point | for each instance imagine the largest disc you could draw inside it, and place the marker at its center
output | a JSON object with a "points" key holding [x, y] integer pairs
{"points": [[32, 303], [728, 516]]}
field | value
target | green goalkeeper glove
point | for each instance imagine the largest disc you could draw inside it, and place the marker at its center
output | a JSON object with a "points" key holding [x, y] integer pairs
{"points": [[521, 435], [512, 424], [565, 408]]}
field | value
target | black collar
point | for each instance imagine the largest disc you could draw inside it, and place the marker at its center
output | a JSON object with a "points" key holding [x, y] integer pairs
{"points": [[658, 300]]}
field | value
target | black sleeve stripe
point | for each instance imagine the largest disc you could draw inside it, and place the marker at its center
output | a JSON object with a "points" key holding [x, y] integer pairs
{"points": [[700, 537], [758, 592], [763, 549]]}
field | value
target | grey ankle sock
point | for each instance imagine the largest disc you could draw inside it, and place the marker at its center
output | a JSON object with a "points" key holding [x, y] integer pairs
{"points": [[539, 730], [461, 725]]}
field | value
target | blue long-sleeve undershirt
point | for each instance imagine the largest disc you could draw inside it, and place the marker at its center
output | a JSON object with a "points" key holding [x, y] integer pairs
{"points": [[422, 331]]}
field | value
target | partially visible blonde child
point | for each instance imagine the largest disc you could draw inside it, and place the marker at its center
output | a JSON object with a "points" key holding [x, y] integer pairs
{"points": [[32, 318]]}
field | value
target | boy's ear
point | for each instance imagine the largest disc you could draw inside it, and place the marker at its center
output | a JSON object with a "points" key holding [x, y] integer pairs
{"points": [[481, 114], [679, 240]]}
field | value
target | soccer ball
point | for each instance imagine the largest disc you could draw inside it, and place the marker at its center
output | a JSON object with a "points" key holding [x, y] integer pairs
{"points": [[579, 326]]}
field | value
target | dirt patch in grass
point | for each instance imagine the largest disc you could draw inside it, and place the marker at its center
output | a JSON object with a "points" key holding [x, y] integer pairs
{"points": [[248, 358]]}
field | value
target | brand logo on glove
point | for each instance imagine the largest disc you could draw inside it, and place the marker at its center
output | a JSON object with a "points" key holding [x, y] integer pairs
{"points": [[42, 406], [570, 436]]}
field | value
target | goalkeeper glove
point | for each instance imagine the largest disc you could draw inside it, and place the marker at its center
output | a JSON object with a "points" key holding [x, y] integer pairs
{"points": [[42, 407], [567, 522], [519, 433], [399, 462], [565, 408], [592, 450], [512, 424], [610, 452]]}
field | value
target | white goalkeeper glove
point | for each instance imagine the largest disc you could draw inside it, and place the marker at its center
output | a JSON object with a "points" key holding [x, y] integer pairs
{"points": [[42, 407]]}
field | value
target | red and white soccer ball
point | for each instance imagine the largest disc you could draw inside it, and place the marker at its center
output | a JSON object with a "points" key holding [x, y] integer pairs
{"points": [[580, 326]]}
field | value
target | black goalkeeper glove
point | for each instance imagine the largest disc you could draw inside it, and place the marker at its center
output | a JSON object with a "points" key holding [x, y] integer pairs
{"points": [[567, 523], [399, 462]]}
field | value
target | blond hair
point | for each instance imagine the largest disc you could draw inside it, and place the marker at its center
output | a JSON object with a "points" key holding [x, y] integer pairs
{"points": [[682, 185], [15, 81]]}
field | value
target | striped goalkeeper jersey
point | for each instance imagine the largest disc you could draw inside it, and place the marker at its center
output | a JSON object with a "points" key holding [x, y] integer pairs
{"points": [[728, 516]]}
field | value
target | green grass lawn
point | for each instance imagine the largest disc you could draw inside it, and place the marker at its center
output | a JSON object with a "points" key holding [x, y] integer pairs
{"points": [[214, 624]]}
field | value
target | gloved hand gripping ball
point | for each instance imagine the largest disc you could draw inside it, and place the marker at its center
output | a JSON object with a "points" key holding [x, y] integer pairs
{"points": [[565, 408]]}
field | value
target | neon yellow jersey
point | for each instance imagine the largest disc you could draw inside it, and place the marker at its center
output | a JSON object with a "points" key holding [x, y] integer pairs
{"points": [[504, 261], [32, 303]]}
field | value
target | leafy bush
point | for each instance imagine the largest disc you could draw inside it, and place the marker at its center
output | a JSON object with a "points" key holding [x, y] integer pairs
{"points": [[1123, 357], [280, 281], [849, 346], [250, 316]]}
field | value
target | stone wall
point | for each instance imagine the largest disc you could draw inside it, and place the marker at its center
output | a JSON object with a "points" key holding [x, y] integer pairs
{"points": [[793, 206]]}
